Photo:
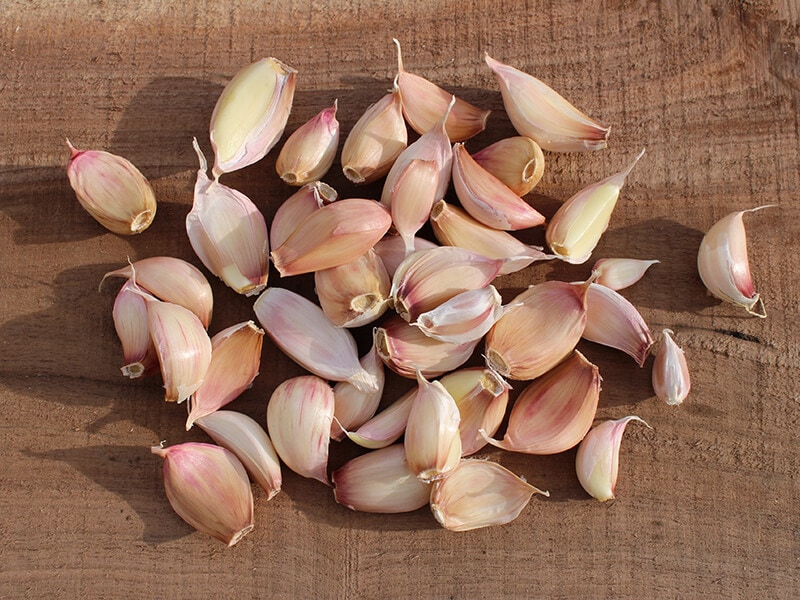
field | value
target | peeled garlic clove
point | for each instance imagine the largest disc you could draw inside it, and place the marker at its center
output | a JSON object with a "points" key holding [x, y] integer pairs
{"points": [[454, 227], [619, 273], [235, 360], [516, 161], [299, 416], [130, 322], [249, 442], [112, 190], [251, 114], [375, 141], [392, 250], [539, 112], [208, 487], [380, 482], [297, 207], [331, 236], [412, 198], [307, 336], [228, 233], [309, 152], [464, 318], [671, 381], [487, 199], [424, 102], [578, 224], [597, 461], [723, 265], [614, 322], [479, 493], [387, 426], [354, 407]]}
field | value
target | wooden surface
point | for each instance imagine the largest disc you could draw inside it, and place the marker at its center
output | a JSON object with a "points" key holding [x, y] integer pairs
{"points": [[707, 500]]}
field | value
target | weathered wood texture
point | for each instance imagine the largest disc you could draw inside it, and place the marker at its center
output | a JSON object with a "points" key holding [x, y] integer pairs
{"points": [[707, 500]]}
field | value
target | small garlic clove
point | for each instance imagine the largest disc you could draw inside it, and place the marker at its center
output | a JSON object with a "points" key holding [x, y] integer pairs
{"points": [[297, 207], [112, 190], [487, 199], [412, 197], [228, 233], [299, 416], [251, 114], [354, 407], [464, 318], [671, 381], [516, 161], [303, 332], [309, 152], [597, 460], [723, 265], [578, 224], [208, 487], [387, 426], [235, 360], [619, 273], [555, 411], [380, 482], [479, 493], [539, 112], [130, 322], [331, 236], [424, 102], [614, 322], [392, 250], [249, 442]]}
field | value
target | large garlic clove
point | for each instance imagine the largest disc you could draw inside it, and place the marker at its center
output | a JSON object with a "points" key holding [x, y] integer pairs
{"points": [[130, 323], [299, 416], [479, 493], [578, 224], [309, 152], [539, 112], [354, 407], [619, 273], [112, 190], [297, 207], [412, 197], [516, 161], [671, 381], [597, 460], [208, 487], [249, 442], [251, 114], [464, 318], [392, 250], [387, 426]]}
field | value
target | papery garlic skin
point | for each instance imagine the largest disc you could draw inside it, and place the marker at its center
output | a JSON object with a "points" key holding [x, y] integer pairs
{"points": [[297, 207], [354, 407], [309, 152], [130, 322], [516, 161], [671, 381], [466, 317], [392, 250], [112, 190], [620, 273], [387, 426]]}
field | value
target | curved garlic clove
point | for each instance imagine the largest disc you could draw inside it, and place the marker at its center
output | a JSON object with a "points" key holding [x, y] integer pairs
{"points": [[578, 224], [487, 199], [619, 273], [303, 332], [297, 207], [354, 407], [539, 112], [130, 323], [464, 318], [235, 360], [299, 416], [309, 152], [380, 482], [479, 493], [671, 381], [412, 197], [392, 250], [387, 426], [208, 487], [251, 114], [250, 443], [597, 460], [516, 161], [424, 102], [112, 190], [723, 265]]}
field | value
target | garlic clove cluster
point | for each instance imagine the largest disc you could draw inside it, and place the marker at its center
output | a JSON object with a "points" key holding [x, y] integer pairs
{"points": [[309, 152]]}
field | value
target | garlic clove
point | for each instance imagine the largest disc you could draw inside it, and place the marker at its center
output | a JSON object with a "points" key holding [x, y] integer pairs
{"points": [[235, 360], [112, 190], [251, 114], [539, 112], [309, 152], [597, 460], [392, 250], [303, 332], [479, 493], [387, 426], [297, 207], [380, 482], [249, 443], [299, 416], [354, 407], [516, 161], [464, 318], [578, 224], [130, 322], [671, 381], [619, 273], [208, 487], [412, 197]]}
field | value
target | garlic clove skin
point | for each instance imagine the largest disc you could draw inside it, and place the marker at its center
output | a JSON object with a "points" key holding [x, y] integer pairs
{"points": [[464, 318], [297, 207], [309, 152], [249, 443], [479, 493], [208, 487], [251, 114], [354, 407], [671, 381], [387, 426], [619, 273], [412, 197], [516, 161], [130, 323], [392, 250], [539, 112], [112, 190]]}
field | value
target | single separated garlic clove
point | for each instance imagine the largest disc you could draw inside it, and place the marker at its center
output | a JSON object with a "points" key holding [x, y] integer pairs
{"points": [[479, 493], [208, 487], [297, 207], [309, 152], [412, 198], [516, 161], [539, 112], [578, 224], [671, 381], [723, 265], [619, 273], [354, 407], [228, 233], [112, 190], [251, 114], [464, 318], [387, 426], [130, 323], [392, 250], [597, 460]]}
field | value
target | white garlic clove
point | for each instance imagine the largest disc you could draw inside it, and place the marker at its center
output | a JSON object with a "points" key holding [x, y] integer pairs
{"points": [[671, 381], [387, 426], [309, 152], [130, 323], [392, 250], [354, 407], [412, 197], [297, 207], [464, 318], [516, 161], [619, 273]]}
